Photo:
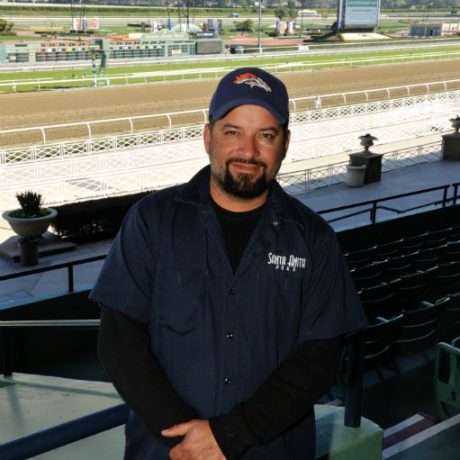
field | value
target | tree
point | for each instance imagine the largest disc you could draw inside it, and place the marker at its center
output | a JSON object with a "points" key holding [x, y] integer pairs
{"points": [[292, 8], [5, 26], [245, 26], [281, 13]]}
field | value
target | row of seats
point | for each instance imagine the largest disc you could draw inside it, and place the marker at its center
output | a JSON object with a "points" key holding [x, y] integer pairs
{"points": [[407, 291], [415, 243], [410, 332], [410, 289], [394, 267]]}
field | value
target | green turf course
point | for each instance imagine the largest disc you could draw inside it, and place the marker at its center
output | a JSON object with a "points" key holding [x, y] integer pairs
{"points": [[18, 37], [133, 73]]}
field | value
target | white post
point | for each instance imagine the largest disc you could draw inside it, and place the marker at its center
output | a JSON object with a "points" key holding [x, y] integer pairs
{"points": [[259, 44]]}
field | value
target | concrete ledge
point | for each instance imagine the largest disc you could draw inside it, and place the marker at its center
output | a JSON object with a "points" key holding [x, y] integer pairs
{"points": [[336, 441], [29, 403], [48, 244]]}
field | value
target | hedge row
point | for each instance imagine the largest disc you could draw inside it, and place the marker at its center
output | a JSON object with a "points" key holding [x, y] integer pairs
{"points": [[93, 220]]}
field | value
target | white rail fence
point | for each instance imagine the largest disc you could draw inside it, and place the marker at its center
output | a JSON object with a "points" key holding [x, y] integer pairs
{"points": [[126, 179], [122, 164], [390, 120], [176, 119]]}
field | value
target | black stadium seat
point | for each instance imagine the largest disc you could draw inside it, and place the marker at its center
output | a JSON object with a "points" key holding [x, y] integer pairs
{"points": [[360, 258], [420, 328], [450, 323], [412, 243], [383, 251], [396, 267], [379, 300], [415, 287], [367, 276], [427, 258], [377, 341], [451, 252]]}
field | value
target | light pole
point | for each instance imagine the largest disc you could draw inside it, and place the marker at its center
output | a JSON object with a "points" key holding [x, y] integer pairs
{"points": [[259, 44]]}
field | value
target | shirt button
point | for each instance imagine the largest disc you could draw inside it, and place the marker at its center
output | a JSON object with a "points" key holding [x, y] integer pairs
{"points": [[229, 335], [227, 380], [276, 223], [231, 292]]}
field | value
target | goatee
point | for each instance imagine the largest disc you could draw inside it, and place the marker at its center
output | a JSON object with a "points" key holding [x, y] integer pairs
{"points": [[243, 185]]}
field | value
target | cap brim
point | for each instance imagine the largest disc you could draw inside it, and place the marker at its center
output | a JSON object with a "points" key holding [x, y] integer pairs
{"points": [[224, 109]]}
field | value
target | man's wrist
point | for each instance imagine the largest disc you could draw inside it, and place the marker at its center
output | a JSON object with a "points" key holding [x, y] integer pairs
{"points": [[232, 433]]}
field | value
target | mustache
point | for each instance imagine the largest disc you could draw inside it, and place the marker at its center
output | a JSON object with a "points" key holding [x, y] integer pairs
{"points": [[246, 161]]}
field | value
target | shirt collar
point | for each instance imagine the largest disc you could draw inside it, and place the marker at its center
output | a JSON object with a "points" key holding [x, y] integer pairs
{"points": [[279, 204]]}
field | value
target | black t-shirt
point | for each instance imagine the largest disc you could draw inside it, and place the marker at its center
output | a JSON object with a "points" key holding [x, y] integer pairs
{"points": [[237, 228]]}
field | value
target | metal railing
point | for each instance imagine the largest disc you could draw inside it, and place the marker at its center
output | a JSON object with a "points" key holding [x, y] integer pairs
{"points": [[50, 323], [372, 206], [65, 433], [306, 180], [67, 265]]}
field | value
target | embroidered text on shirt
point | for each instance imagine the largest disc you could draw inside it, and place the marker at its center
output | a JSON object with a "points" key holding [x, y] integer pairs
{"points": [[287, 263]]}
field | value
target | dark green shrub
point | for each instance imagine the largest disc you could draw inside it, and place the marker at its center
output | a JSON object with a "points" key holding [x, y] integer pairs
{"points": [[31, 205], [93, 220]]}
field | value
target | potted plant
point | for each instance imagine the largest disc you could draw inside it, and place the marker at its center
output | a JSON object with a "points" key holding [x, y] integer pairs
{"points": [[31, 220]]}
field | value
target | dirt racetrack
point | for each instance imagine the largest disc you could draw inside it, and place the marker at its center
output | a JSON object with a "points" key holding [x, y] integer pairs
{"points": [[43, 108]]}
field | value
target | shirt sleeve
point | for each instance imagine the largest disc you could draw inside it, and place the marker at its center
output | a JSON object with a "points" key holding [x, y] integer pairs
{"points": [[331, 306], [126, 279], [123, 348], [287, 395]]}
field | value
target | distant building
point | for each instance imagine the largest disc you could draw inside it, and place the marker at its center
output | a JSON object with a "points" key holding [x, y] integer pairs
{"points": [[435, 29]]}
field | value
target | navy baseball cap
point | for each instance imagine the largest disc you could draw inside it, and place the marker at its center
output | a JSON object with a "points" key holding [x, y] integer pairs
{"points": [[250, 85]]}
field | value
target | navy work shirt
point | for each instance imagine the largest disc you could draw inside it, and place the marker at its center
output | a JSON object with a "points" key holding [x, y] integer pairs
{"points": [[219, 334]]}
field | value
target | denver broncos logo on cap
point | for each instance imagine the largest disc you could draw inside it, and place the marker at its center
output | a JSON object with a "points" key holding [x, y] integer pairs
{"points": [[252, 80]]}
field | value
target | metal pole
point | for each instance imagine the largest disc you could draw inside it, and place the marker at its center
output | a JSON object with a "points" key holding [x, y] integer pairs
{"points": [[354, 382], [59, 435], [6, 353], [444, 197], [70, 283], [374, 212], [454, 200], [259, 44]]}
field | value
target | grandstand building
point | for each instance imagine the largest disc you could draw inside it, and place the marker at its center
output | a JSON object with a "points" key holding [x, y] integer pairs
{"points": [[140, 46]]}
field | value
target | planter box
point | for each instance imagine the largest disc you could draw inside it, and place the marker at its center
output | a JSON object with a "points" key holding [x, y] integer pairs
{"points": [[93, 220], [30, 228]]}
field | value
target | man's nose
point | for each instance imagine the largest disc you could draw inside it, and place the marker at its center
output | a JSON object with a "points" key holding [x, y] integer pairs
{"points": [[248, 147]]}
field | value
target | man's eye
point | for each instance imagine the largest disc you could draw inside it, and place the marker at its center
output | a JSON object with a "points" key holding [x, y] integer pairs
{"points": [[268, 136], [230, 133]]}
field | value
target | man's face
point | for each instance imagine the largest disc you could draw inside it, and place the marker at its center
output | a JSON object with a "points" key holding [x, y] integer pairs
{"points": [[245, 148]]}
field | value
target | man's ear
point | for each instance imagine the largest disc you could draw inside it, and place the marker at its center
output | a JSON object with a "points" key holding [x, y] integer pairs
{"points": [[287, 139], [207, 137]]}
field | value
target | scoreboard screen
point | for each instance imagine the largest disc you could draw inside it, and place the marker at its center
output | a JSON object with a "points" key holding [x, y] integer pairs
{"points": [[211, 46], [358, 14]]}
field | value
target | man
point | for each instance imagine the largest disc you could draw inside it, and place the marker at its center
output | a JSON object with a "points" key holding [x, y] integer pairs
{"points": [[224, 300]]}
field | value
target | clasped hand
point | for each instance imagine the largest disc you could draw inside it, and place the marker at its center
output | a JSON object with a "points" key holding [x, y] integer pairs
{"points": [[198, 443]]}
